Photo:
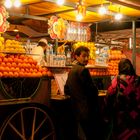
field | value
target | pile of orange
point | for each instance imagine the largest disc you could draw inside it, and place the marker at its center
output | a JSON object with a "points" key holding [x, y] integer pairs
{"points": [[18, 65], [114, 58], [112, 70], [99, 72]]}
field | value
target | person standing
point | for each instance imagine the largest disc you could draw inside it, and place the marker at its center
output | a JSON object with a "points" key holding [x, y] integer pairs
{"points": [[83, 97], [122, 103], [38, 52]]}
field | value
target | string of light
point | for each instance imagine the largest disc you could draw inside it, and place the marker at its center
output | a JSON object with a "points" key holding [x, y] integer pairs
{"points": [[10, 3]]}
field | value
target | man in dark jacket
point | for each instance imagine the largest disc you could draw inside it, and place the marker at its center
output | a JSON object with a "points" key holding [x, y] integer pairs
{"points": [[84, 96]]}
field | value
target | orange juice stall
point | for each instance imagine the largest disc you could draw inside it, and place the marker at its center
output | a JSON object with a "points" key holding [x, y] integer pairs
{"points": [[31, 94]]}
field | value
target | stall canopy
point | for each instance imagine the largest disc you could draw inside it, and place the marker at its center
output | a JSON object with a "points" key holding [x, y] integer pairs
{"points": [[34, 14]]}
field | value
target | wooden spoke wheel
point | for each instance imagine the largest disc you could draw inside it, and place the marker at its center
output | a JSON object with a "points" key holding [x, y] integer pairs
{"points": [[19, 87], [28, 123]]}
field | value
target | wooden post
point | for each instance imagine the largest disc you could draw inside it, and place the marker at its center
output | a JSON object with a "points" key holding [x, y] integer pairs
{"points": [[134, 44], [56, 45]]}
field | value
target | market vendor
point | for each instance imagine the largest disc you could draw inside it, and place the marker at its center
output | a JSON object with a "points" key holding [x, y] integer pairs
{"points": [[39, 51]]}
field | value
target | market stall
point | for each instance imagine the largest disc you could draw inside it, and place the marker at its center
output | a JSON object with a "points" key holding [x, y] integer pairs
{"points": [[27, 87]]}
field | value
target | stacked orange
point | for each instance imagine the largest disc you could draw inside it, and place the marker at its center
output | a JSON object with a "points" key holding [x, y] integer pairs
{"points": [[112, 70], [18, 65], [114, 58], [98, 72]]}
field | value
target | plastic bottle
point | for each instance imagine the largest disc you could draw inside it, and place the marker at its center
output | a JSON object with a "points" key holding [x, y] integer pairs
{"points": [[48, 56], [68, 57], [51, 55]]}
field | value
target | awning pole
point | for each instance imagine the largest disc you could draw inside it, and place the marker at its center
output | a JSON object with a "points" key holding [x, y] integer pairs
{"points": [[134, 44], [96, 38]]}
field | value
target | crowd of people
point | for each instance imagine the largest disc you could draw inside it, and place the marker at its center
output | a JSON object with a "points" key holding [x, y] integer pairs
{"points": [[119, 119]]}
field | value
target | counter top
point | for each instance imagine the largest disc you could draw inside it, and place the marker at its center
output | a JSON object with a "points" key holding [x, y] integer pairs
{"points": [[64, 97]]}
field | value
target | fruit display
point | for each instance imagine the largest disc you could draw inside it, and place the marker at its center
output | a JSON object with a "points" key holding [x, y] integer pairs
{"points": [[14, 46], [114, 58], [19, 65], [1, 43], [112, 68]]}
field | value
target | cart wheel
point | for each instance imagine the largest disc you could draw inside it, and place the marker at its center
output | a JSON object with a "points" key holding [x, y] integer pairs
{"points": [[19, 87], [28, 123]]}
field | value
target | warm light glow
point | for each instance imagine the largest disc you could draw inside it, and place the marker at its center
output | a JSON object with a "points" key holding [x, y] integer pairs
{"points": [[8, 4], [17, 3], [102, 10], [118, 16], [97, 51], [130, 43], [79, 17], [81, 12], [60, 2], [15, 29]]}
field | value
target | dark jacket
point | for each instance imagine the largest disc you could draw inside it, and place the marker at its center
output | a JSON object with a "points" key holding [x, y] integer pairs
{"points": [[82, 91]]}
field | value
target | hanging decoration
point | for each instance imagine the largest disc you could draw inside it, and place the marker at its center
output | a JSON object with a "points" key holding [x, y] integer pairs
{"points": [[4, 24], [81, 9], [57, 28]]}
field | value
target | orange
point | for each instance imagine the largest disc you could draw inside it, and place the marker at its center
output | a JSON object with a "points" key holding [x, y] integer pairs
{"points": [[3, 64], [5, 59], [44, 73], [12, 69], [7, 69], [5, 74], [1, 74], [35, 70], [8, 64], [10, 59], [13, 64], [21, 74], [1, 68], [19, 65], [39, 74], [22, 69], [15, 74], [10, 74], [49, 73]]}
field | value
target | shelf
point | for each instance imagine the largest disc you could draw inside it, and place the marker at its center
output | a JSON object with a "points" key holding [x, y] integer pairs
{"points": [[88, 66], [64, 97], [60, 97], [7, 52], [97, 66]]}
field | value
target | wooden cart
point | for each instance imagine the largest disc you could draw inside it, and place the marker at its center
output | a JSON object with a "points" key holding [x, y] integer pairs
{"points": [[24, 109]]}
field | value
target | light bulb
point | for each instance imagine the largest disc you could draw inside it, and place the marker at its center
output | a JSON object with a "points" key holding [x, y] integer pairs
{"points": [[17, 3], [79, 17], [118, 16], [8, 4], [60, 2], [102, 10]]}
